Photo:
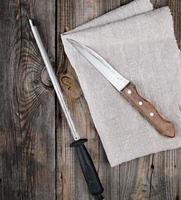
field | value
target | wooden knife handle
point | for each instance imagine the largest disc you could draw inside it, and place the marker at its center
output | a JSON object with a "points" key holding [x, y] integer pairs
{"points": [[145, 108]]}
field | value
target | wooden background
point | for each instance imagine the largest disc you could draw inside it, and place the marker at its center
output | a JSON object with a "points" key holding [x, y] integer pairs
{"points": [[36, 161]]}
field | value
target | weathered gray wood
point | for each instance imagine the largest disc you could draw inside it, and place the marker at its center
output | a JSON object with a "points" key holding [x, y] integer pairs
{"points": [[151, 177], [166, 179], [120, 182], [27, 107], [159, 3], [36, 161], [71, 184]]}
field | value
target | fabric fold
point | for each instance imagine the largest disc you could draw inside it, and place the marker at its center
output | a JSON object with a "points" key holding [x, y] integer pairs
{"points": [[143, 49]]}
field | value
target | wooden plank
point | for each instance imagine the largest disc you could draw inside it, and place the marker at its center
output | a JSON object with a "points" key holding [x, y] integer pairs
{"points": [[175, 157], [159, 3], [27, 132], [166, 179], [71, 184], [175, 6], [164, 176], [27, 106], [128, 181], [144, 178]]}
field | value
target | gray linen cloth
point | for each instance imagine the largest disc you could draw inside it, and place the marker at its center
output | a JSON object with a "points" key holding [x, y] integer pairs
{"points": [[139, 43]]}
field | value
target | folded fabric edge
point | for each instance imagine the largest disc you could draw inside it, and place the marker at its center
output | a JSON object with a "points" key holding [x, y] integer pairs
{"points": [[112, 163], [164, 18], [146, 6], [115, 164]]}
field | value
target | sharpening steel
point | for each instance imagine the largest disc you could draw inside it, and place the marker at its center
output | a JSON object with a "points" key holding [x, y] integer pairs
{"points": [[86, 163]]}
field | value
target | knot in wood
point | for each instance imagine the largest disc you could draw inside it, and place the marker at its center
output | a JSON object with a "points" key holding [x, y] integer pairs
{"points": [[70, 86], [45, 79]]}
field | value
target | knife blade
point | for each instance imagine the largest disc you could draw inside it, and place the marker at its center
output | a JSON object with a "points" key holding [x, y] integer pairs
{"points": [[127, 89], [90, 174]]}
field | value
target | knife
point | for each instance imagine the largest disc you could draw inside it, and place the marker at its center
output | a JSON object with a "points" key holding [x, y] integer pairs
{"points": [[127, 89], [90, 174]]}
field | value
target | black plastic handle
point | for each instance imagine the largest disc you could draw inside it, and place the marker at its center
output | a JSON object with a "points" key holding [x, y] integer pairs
{"points": [[93, 182]]}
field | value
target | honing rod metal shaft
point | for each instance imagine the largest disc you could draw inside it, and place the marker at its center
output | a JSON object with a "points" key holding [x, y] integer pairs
{"points": [[93, 182]]}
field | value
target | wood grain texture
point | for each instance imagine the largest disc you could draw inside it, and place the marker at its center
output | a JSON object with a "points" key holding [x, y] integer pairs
{"points": [[150, 177], [27, 107], [70, 184], [119, 182], [166, 179], [36, 161]]}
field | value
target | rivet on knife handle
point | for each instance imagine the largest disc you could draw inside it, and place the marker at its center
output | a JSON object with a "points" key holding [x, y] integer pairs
{"points": [[163, 126]]}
